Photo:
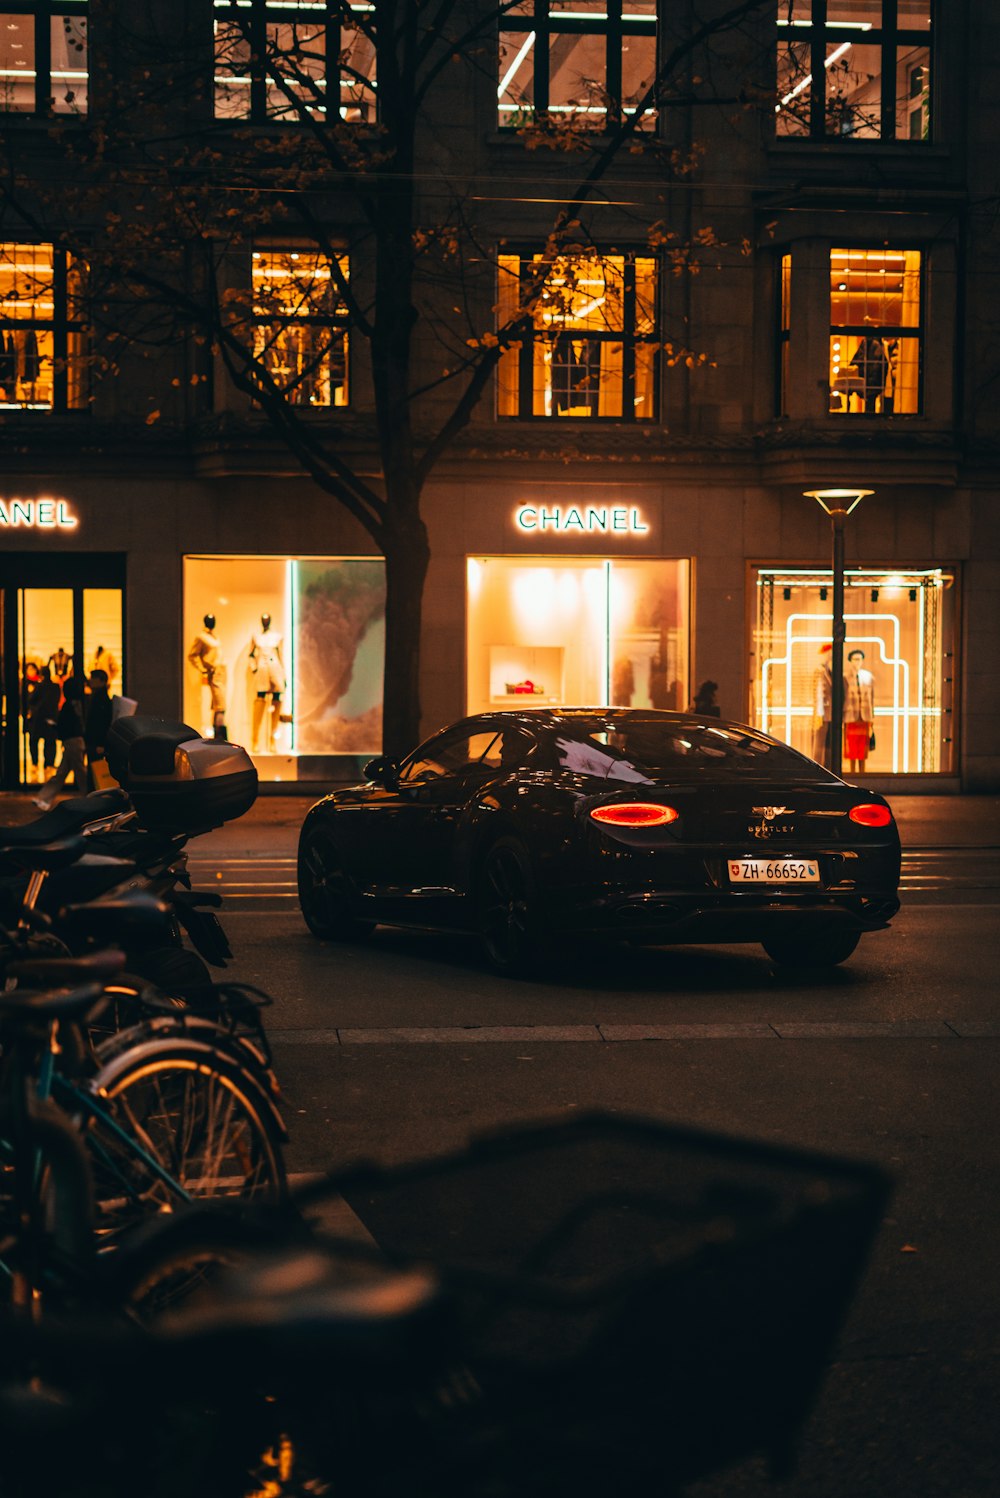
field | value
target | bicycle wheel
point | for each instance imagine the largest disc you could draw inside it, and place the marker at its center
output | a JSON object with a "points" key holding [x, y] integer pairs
{"points": [[174, 1120]]}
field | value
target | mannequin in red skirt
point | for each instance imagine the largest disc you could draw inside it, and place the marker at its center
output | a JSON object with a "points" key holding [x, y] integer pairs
{"points": [[859, 710]]}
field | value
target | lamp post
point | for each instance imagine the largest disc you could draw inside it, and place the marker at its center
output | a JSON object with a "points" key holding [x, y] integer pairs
{"points": [[838, 504]]}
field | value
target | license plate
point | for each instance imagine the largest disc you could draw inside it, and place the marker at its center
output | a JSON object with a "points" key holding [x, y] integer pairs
{"points": [[773, 871]]}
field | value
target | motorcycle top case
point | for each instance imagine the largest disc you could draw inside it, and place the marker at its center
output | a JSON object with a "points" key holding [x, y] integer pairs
{"points": [[178, 781]]}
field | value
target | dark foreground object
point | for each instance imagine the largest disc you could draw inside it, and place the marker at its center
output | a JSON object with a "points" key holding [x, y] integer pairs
{"points": [[607, 1305]]}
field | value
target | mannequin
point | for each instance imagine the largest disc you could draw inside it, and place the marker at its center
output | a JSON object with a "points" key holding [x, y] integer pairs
{"points": [[204, 656], [859, 710], [823, 693], [268, 671], [60, 664]]}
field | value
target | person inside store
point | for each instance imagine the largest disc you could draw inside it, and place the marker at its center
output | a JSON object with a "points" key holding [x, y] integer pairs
{"points": [[69, 731], [41, 710], [267, 670], [96, 722], [859, 711], [704, 701]]}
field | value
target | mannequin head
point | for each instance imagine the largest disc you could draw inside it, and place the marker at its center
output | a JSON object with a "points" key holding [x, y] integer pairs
{"points": [[265, 621], [209, 621], [856, 656]]}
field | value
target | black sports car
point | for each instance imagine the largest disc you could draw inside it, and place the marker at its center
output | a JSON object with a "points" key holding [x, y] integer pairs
{"points": [[641, 825]]}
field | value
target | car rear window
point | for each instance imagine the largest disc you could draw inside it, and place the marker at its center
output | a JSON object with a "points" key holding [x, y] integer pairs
{"points": [[643, 751]]}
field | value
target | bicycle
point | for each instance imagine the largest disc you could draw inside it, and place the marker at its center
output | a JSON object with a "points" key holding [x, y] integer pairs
{"points": [[170, 1109]]}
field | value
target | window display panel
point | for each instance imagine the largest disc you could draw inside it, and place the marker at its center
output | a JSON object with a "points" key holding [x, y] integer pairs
{"points": [[285, 655], [899, 666], [102, 634], [557, 631]]}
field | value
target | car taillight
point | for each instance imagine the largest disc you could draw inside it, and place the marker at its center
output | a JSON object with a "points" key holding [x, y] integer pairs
{"points": [[868, 815], [635, 814]]}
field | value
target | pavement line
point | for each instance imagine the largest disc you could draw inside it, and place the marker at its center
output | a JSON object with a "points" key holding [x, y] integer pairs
{"points": [[900, 1029], [332, 1215]]}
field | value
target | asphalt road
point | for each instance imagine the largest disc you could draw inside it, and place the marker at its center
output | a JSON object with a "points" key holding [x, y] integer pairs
{"points": [[403, 1046]]}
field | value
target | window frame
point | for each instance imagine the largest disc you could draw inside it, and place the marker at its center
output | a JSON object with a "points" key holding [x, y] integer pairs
{"points": [[340, 321], [911, 332], [627, 337], [61, 325], [889, 36], [610, 24], [256, 13], [44, 12]]}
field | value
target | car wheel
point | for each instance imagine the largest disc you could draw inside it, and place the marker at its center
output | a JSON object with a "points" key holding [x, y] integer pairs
{"points": [[506, 908], [820, 949], [324, 891]]}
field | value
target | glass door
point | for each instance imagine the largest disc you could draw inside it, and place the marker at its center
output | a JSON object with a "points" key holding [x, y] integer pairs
{"points": [[65, 620]]}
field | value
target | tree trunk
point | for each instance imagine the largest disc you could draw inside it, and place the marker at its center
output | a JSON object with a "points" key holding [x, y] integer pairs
{"points": [[407, 553]]}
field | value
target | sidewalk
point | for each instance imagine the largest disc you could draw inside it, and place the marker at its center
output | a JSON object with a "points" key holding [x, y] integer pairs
{"points": [[272, 824]]}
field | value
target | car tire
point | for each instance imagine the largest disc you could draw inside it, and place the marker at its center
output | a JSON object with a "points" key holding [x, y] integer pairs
{"points": [[325, 892], [818, 949], [505, 908]]}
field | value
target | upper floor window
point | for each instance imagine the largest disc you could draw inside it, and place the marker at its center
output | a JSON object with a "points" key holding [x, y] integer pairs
{"points": [[587, 61], [854, 69], [43, 340], [875, 332], [271, 60], [590, 349], [299, 324], [43, 57]]}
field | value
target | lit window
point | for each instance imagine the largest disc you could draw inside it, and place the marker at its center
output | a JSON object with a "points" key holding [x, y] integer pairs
{"points": [[875, 332], [589, 61], [298, 331], [271, 61], [590, 349], [784, 333], [854, 69], [43, 57], [42, 332]]}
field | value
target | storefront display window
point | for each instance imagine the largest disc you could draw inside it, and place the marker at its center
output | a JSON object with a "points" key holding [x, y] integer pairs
{"points": [[60, 616], [553, 631], [285, 655], [899, 665]]}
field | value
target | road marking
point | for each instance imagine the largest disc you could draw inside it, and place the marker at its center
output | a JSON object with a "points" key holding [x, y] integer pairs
{"points": [[898, 1029], [332, 1214]]}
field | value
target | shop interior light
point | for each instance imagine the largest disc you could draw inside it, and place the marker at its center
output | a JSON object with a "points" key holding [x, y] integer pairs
{"points": [[870, 815], [635, 814]]}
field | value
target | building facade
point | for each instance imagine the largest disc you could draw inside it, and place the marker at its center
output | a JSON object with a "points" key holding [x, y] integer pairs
{"points": [[783, 286]]}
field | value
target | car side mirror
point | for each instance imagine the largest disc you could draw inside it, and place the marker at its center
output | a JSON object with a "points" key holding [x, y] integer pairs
{"points": [[383, 771]]}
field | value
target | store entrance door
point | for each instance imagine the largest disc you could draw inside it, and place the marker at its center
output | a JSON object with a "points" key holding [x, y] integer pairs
{"points": [[59, 616]]}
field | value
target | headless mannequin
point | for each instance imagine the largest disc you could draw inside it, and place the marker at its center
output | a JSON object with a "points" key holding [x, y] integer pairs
{"points": [[204, 656], [268, 671]]}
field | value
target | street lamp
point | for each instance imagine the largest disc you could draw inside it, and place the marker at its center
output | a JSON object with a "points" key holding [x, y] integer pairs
{"points": [[838, 504]]}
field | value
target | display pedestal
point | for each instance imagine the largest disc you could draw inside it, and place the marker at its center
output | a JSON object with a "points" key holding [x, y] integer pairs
{"points": [[276, 766]]}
